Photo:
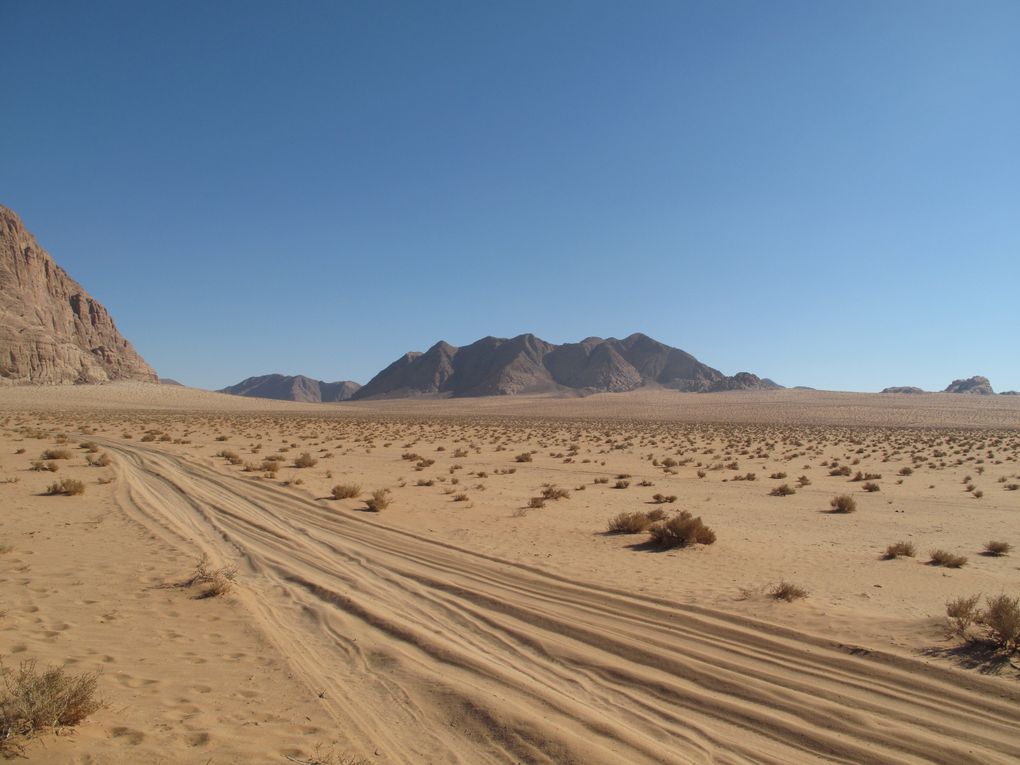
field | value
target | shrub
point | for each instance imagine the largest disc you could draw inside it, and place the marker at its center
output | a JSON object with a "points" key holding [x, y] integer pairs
{"points": [[55, 454], [784, 490], [906, 471], [103, 460], [306, 460], [900, 550], [998, 548], [1002, 620], [629, 523], [803, 481], [379, 500], [787, 591], [69, 487], [962, 613], [664, 499], [871, 486], [555, 493], [681, 530], [461, 498], [346, 491], [843, 503], [523, 457], [621, 484], [947, 559], [536, 502], [33, 701], [778, 476]]}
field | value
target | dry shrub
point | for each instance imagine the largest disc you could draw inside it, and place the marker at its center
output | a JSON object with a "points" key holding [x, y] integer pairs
{"points": [[39, 466], [379, 500], [996, 549], [32, 701], [306, 460], [787, 591], [664, 499], [947, 559], [783, 490], [212, 581], [523, 457], [962, 612], [871, 486], [555, 493], [55, 454], [536, 502], [1002, 620], [346, 491], [68, 487], [843, 503], [621, 484], [629, 523], [900, 550], [461, 498], [103, 460], [681, 530]]}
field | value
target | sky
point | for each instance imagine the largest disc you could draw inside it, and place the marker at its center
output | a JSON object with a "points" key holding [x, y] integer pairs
{"points": [[824, 193]]}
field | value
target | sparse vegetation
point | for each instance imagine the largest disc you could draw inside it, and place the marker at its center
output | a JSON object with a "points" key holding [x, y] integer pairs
{"points": [[379, 500], [68, 487], [947, 559], [843, 503], [681, 530], [346, 491], [996, 549], [787, 591], [900, 550]]}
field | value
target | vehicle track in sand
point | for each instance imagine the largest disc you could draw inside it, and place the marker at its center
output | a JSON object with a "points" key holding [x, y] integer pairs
{"points": [[426, 652]]}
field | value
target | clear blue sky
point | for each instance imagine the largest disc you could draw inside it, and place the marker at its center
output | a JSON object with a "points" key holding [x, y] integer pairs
{"points": [[825, 193]]}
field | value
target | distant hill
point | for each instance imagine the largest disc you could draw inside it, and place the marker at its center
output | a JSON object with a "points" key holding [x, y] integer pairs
{"points": [[51, 329], [293, 388], [525, 364], [902, 389], [976, 385], [169, 381]]}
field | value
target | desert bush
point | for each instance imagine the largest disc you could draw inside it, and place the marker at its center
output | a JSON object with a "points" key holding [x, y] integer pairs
{"points": [[601, 480], [555, 493], [32, 702], [962, 612], [778, 476], [702, 474], [39, 465], [997, 548], [69, 487], [787, 591], [947, 559], [103, 460], [523, 457], [379, 500], [461, 498], [664, 499], [1002, 620], [305, 460], [681, 530], [783, 490], [906, 471], [843, 503], [803, 481], [844, 470], [871, 486], [346, 491], [536, 502], [55, 454], [900, 550], [90, 446], [629, 523], [621, 484]]}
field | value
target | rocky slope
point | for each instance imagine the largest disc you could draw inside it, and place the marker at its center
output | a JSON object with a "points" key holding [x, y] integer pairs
{"points": [[51, 329], [293, 388], [902, 389], [496, 366]]}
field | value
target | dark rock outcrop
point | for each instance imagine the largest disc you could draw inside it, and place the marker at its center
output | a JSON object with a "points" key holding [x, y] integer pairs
{"points": [[976, 385], [902, 389]]}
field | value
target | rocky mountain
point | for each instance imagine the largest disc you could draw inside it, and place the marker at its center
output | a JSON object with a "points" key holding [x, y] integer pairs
{"points": [[51, 329], [293, 388], [975, 385], [496, 366], [902, 389]]}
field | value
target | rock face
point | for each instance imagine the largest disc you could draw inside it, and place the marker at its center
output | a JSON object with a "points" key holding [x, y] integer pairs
{"points": [[52, 330], [293, 388], [496, 366], [902, 389], [975, 385]]}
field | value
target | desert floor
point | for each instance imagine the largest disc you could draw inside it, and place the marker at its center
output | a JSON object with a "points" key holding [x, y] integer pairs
{"points": [[462, 625]]}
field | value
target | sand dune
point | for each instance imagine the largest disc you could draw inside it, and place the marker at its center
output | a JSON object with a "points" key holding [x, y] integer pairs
{"points": [[487, 661]]}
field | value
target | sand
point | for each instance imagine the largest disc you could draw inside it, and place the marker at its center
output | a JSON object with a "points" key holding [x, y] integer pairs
{"points": [[460, 625]]}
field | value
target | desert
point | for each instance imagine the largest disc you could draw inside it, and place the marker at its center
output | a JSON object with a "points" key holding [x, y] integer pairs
{"points": [[484, 612]]}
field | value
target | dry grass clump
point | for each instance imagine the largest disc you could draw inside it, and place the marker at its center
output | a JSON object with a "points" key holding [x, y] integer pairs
{"points": [[995, 549], [523, 457], [346, 491], [379, 500], [999, 620], [68, 487], [664, 499], [681, 530], [947, 559], [536, 502], [55, 454], [212, 581], [32, 702], [787, 591], [305, 460], [843, 503], [900, 550], [784, 490], [103, 460], [871, 486], [621, 484], [554, 493], [629, 523], [39, 466]]}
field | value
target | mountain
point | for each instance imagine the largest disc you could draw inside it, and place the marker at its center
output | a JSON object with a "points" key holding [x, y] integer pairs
{"points": [[976, 385], [51, 329], [293, 388], [496, 366], [902, 389]]}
